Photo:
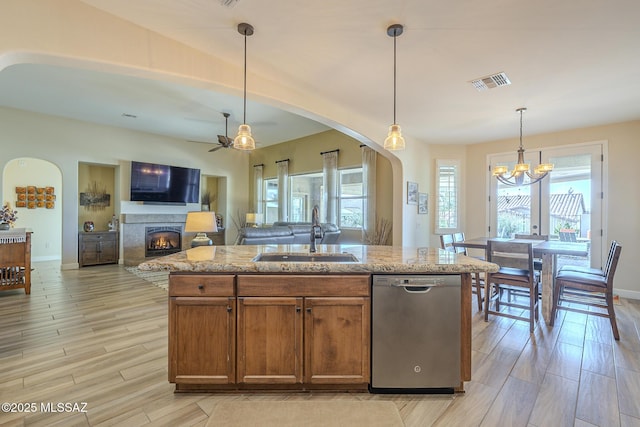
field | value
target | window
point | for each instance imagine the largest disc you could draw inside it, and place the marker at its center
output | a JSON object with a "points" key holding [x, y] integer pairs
{"points": [[306, 192], [270, 200], [351, 198], [447, 188]]}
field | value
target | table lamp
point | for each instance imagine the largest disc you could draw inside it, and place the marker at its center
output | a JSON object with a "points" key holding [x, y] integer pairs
{"points": [[201, 223], [255, 219]]}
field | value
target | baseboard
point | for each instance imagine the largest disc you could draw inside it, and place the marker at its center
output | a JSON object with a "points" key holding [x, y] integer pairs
{"points": [[45, 258], [627, 294]]}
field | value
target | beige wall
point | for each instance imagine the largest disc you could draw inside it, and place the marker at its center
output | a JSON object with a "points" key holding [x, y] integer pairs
{"points": [[305, 157], [104, 178], [622, 208]]}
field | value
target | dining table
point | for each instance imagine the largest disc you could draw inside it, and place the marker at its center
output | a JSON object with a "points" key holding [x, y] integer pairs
{"points": [[548, 251]]}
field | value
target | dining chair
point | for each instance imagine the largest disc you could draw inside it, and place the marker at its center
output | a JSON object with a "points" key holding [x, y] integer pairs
{"points": [[586, 289], [446, 242], [537, 262], [590, 270], [516, 272]]}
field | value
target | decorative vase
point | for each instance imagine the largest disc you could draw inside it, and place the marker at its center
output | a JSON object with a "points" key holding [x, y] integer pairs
{"points": [[5, 226], [88, 226]]}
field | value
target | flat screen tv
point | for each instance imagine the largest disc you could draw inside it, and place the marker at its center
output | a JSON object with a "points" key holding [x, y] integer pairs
{"points": [[164, 184]]}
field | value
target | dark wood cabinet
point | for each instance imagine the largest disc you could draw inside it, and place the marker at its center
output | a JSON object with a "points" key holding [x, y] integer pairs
{"points": [[202, 330], [309, 330], [218, 237], [97, 247]]}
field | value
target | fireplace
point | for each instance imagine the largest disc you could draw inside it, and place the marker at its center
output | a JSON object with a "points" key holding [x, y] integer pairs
{"points": [[161, 241]]}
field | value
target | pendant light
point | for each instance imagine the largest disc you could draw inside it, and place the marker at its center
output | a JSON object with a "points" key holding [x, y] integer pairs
{"points": [[520, 174], [244, 140], [394, 140]]}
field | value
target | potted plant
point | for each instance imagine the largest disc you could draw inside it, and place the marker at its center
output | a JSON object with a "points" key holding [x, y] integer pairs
{"points": [[7, 217]]}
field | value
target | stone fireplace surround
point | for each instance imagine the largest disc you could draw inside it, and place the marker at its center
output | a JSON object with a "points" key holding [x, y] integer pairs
{"points": [[134, 233]]}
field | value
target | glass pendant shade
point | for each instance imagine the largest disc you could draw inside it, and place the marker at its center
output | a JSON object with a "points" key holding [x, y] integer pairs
{"points": [[244, 140], [394, 140]]}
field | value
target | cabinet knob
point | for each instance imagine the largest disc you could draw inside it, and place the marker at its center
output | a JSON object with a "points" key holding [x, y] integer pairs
{"points": [[229, 309], [298, 309], [309, 310], [201, 287]]}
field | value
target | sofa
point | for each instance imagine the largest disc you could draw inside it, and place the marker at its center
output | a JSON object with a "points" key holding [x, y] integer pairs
{"points": [[287, 233]]}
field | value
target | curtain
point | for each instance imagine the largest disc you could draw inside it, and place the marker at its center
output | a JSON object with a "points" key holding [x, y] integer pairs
{"points": [[330, 183], [369, 191], [257, 188], [283, 189]]}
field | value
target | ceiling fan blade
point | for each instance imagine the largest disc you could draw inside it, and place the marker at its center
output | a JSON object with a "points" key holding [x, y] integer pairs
{"points": [[216, 148]]}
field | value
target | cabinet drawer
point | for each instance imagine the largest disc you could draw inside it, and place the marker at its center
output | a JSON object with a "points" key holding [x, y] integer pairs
{"points": [[189, 285], [303, 285], [97, 237]]}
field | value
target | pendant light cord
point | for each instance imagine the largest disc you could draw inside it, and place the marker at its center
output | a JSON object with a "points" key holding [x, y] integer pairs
{"points": [[521, 128], [244, 119], [395, 35]]}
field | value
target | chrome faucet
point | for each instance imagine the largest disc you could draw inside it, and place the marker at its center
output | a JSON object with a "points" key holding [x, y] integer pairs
{"points": [[316, 230]]}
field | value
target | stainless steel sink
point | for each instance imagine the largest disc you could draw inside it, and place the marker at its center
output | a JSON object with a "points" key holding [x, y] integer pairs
{"points": [[280, 257]]}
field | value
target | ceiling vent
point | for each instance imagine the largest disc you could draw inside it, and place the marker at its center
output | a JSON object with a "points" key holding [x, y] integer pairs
{"points": [[228, 3], [490, 82]]}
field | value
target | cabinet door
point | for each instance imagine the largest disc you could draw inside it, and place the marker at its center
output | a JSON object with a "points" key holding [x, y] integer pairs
{"points": [[108, 250], [202, 340], [337, 340], [269, 340]]}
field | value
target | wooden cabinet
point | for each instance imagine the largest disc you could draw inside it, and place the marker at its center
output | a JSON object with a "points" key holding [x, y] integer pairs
{"points": [[217, 238], [270, 340], [202, 329], [310, 330], [97, 247], [292, 332], [336, 340]]}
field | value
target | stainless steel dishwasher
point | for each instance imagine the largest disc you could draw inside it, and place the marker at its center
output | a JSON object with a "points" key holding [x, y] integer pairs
{"points": [[415, 344]]}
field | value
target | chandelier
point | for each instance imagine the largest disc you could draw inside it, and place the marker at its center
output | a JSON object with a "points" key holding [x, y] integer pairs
{"points": [[394, 140], [520, 174]]}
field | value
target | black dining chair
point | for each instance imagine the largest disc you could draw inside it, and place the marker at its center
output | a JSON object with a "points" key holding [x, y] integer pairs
{"points": [[446, 242], [581, 289], [516, 273]]}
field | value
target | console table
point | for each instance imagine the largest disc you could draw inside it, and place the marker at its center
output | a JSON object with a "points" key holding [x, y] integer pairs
{"points": [[15, 260]]}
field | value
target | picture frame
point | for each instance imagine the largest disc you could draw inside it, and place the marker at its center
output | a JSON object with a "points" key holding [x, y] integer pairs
{"points": [[423, 203], [412, 193]]}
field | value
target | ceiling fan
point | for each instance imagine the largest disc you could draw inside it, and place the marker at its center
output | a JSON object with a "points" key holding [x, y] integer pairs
{"points": [[224, 140]]}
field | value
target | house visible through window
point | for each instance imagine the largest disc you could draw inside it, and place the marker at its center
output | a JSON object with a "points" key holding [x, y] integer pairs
{"points": [[447, 188]]}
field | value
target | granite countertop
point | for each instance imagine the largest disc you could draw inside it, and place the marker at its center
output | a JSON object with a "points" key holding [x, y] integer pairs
{"points": [[371, 259]]}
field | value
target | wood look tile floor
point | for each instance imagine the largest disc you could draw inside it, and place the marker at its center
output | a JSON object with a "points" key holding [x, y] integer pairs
{"points": [[98, 336]]}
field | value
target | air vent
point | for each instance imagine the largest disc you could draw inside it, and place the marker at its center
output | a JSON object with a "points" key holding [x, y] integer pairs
{"points": [[228, 3], [490, 82]]}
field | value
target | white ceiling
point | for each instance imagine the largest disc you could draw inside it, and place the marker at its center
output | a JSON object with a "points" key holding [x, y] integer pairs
{"points": [[572, 63]]}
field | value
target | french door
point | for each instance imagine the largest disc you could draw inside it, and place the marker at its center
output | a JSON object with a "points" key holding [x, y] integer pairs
{"points": [[566, 205]]}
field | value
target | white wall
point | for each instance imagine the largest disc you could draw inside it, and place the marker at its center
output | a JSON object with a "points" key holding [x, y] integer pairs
{"points": [[622, 211], [46, 241], [65, 143]]}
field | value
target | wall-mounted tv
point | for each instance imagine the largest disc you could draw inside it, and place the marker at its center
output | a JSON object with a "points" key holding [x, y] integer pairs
{"points": [[164, 184]]}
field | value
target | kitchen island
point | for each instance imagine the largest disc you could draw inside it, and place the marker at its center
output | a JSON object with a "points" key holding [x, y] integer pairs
{"points": [[236, 323]]}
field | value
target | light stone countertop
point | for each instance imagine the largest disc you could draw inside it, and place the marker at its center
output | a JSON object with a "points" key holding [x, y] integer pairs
{"points": [[371, 259]]}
